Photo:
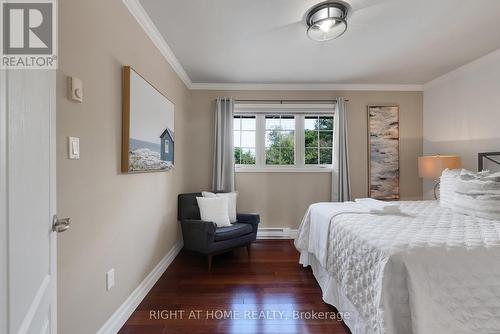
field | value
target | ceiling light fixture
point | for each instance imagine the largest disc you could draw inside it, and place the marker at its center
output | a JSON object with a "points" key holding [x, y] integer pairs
{"points": [[327, 20]]}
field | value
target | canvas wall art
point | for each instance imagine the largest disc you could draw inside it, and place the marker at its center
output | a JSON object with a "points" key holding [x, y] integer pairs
{"points": [[148, 126], [383, 152]]}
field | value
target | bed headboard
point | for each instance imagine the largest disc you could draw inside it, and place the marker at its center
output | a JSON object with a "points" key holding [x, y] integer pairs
{"points": [[489, 161]]}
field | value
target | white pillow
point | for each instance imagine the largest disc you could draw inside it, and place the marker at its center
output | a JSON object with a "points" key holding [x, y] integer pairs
{"points": [[231, 202], [447, 186], [485, 185], [214, 210], [482, 206], [469, 175], [492, 177], [478, 195]]}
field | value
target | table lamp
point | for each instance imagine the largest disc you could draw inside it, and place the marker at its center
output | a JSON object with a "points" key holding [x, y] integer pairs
{"points": [[430, 167]]}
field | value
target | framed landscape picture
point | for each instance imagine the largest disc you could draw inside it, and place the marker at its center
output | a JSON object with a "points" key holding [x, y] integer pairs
{"points": [[383, 152], [147, 126]]}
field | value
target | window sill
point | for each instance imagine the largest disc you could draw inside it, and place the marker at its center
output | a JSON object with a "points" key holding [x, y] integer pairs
{"points": [[283, 170]]}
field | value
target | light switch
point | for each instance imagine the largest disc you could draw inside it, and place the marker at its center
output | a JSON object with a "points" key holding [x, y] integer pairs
{"points": [[76, 89], [74, 147], [110, 279]]}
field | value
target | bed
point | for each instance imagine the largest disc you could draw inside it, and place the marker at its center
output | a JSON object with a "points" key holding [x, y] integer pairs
{"points": [[419, 269]]}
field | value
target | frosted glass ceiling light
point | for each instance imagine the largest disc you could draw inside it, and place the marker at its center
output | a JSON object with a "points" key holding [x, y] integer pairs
{"points": [[327, 20]]}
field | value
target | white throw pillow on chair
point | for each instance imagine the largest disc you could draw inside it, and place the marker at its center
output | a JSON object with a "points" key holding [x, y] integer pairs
{"points": [[231, 202], [208, 194], [214, 210]]}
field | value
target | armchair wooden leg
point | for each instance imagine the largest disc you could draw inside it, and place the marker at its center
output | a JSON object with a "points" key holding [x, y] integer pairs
{"points": [[248, 250], [209, 259]]}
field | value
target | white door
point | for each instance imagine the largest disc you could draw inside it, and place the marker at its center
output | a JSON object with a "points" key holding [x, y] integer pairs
{"points": [[27, 202]]}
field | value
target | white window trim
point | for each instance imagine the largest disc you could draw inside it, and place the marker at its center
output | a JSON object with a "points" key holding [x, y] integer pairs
{"points": [[299, 111], [284, 169]]}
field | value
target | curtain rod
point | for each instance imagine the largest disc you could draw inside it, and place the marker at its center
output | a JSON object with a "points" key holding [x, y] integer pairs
{"points": [[287, 101]]}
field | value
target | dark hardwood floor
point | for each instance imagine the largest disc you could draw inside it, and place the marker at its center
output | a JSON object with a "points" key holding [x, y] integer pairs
{"points": [[260, 294]]}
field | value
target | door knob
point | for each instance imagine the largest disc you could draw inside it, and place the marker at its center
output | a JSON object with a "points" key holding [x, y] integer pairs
{"points": [[60, 224]]}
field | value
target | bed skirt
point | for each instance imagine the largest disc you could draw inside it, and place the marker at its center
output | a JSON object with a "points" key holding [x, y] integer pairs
{"points": [[333, 295]]}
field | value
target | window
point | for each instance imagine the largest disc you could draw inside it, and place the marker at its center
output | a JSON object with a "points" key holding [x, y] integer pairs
{"points": [[318, 140], [280, 140], [283, 137], [244, 140]]}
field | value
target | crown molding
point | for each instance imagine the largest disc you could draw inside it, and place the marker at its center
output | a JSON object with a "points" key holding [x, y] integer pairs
{"points": [[307, 86], [140, 15], [138, 12]]}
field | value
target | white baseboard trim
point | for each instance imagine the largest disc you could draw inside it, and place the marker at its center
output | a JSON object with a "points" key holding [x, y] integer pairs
{"points": [[118, 319], [276, 233]]}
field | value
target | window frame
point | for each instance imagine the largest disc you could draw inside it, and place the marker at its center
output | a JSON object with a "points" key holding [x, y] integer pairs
{"points": [[319, 147], [281, 130], [240, 132], [299, 111]]}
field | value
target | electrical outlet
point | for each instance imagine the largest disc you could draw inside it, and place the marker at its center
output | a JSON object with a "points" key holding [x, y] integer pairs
{"points": [[110, 279]]}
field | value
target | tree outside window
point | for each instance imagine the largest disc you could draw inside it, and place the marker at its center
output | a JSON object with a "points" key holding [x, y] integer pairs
{"points": [[244, 128], [274, 140], [318, 140], [280, 140]]}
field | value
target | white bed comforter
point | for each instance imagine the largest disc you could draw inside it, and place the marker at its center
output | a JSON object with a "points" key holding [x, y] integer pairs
{"points": [[424, 271]]}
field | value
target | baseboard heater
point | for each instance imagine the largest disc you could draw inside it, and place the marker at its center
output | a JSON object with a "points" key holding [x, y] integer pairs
{"points": [[276, 233]]}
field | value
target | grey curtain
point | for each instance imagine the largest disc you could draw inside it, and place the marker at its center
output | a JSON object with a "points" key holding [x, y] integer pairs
{"points": [[223, 170], [341, 182]]}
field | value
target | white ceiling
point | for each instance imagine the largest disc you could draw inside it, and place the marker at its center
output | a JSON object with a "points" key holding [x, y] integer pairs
{"points": [[264, 41]]}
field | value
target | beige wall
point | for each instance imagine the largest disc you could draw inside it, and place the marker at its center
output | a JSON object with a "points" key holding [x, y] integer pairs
{"points": [[125, 222], [282, 198]]}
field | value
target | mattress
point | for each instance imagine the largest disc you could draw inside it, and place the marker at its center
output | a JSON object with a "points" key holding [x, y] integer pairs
{"points": [[425, 270]]}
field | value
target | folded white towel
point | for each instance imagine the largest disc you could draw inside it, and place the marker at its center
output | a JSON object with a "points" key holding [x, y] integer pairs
{"points": [[377, 206]]}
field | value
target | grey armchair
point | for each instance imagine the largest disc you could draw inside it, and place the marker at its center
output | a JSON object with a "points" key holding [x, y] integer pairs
{"points": [[205, 237]]}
